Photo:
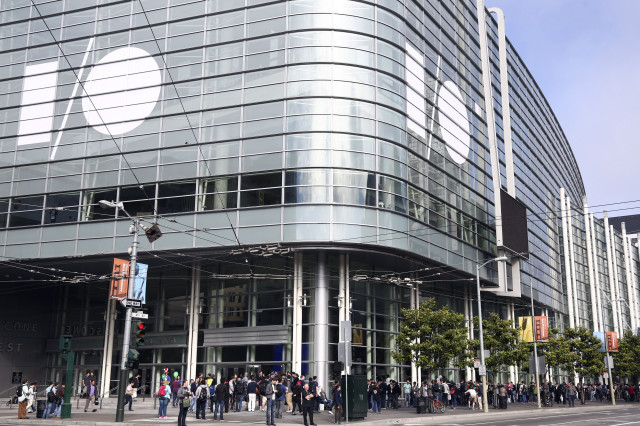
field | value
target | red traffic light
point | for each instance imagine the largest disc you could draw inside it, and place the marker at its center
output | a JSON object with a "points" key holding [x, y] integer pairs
{"points": [[140, 333], [141, 326]]}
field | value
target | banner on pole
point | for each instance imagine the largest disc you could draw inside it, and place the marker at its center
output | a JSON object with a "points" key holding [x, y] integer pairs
{"points": [[140, 282], [119, 279], [541, 326], [612, 341]]}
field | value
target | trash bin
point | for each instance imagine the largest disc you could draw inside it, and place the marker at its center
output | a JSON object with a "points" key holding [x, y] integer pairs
{"points": [[40, 407]]}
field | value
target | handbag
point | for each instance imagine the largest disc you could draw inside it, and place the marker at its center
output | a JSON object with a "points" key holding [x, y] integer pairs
{"points": [[185, 402]]}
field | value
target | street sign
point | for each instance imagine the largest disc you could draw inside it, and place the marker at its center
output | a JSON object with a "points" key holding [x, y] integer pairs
{"points": [[344, 353], [487, 353], [131, 303], [605, 375], [541, 365], [482, 370], [345, 331], [476, 363], [608, 361], [139, 314]]}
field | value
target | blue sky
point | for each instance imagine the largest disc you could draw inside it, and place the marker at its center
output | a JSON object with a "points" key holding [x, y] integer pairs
{"points": [[585, 56]]}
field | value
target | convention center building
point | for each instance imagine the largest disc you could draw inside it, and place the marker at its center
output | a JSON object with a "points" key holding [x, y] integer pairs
{"points": [[307, 162]]}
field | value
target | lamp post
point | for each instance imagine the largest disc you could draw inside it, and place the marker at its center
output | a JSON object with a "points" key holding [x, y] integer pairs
{"points": [[485, 404], [535, 351], [127, 321]]}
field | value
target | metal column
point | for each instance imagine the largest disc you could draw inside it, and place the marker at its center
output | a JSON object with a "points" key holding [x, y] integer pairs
{"points": [[321, 343]]}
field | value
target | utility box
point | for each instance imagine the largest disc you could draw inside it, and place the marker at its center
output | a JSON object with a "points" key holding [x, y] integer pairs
{"points": [[354, 393]]}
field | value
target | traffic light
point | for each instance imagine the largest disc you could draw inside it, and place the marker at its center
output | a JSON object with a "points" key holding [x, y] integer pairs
{"points": [[133, 359], [65, 343], [140, 333]]}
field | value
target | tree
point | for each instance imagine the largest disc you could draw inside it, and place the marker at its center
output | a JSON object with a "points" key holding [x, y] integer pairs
{"points": [[556, 351], [503, 342], [627, 360], [432, 338], [586, 359]]}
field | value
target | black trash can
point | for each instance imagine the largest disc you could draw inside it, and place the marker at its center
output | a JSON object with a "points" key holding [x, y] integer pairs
{"points": [[40, 407]]}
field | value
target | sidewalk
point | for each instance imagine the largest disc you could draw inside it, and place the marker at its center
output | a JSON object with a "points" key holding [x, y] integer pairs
{"points": [[144, 413]]}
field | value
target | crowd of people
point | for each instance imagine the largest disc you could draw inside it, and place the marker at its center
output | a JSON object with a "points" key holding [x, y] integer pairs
{"points": [[270, 393]]}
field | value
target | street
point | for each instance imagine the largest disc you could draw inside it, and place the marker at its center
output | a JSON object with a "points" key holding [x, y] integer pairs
{"points": [[517, 415]]}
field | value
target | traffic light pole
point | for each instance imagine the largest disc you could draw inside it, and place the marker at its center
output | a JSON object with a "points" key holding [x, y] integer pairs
{"points": [[122, 383]]}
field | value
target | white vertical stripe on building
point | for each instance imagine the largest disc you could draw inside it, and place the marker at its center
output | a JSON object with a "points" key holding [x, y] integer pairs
{"points": [[574, 282], [612, 273], [596, 273], [296, 357], [194, 313], [567, 257], [38, 103], [628, 269], [590, 262], [617, 299]]}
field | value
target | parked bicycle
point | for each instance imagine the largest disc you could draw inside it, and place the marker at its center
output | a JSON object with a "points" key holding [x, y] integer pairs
{"points": [[436, 406]]}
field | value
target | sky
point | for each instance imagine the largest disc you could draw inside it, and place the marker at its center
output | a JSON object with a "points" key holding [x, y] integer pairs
{"points": [[585, 57]]}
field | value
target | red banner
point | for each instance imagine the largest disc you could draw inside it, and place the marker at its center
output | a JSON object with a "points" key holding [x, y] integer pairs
{"points": [[541, 326], [611, 337], [119, 279]]}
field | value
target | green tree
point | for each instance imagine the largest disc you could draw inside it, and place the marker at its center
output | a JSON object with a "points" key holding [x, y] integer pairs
{"points": [[503, 342], [432, 338], [586, 360], [627, 360], [556, 351]]}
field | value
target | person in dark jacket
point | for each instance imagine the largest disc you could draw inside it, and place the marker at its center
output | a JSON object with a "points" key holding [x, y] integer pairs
{"points": [[183, 393], [337, 405], [308, 404], [221, 394], [175, 386]]}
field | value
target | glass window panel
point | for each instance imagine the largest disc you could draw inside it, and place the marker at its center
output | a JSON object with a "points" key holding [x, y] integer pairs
{"points": [[62, 208], [135, 199], [263, 180]]}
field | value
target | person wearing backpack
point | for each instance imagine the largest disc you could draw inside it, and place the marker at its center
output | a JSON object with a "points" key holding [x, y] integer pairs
{"points": [[281, 392], [239, 390], [163, 399], [50, 394], [221, 392], [21, 393], [202, 395], [212, 395]]}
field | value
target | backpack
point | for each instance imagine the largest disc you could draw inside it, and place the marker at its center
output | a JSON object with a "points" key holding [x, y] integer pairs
{"points": [[239, 387], [263, 387], [162, 391], [51, 396], [278, 391], [203, 395]]}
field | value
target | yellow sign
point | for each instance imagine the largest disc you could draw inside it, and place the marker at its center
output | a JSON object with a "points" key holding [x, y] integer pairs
{"points": [[541, 327], [526, 329]]}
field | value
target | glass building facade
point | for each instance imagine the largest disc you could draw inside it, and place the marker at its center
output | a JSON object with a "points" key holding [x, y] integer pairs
{"points": [[298, 156]]}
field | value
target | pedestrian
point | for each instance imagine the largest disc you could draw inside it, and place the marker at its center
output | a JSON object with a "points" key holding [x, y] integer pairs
{"points": [[31, 394], [22, 393], [128, 394], [202, 395], [270, 394], [296, 397], [92, 393], [193, 386], [175, 386], [472, 398], [220, 400], [184, 393], [307, 405], [59, 399], [571, 394], [337, 405], [239, 390], [50, 395], [212, 395], [86, 382], [163, 399], [281, 392], [252, 392]]}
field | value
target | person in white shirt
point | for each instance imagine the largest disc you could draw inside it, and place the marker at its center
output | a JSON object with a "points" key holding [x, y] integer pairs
{"points": [[31, 395], [22, 400], [472, 398]]}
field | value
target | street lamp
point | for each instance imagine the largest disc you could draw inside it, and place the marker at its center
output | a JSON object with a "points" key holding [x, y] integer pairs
{"points": [[132, 277], [485, 404]]}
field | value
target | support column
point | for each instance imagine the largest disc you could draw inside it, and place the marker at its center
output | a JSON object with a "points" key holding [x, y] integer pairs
{"points": [[194, 311], [612, 273], [321, 343], [344, 299], [107, 352], [616, 281], [628, 268], [412, 305], [468, 315], [590, 262], [296, 356], [567, 258]]}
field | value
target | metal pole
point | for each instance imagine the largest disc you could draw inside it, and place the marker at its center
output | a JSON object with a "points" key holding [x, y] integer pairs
{"points": [[485, 402], [606, 348], [535, 348], [127, 323]]}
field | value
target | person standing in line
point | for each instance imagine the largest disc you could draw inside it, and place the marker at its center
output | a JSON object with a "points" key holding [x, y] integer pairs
{"points": [[221, 393], [175, 386], [22, 393], [202, 395], [91, 396], [252, 391], [239, 390], [193, 386], [31, 395], [212, 395], [281, 392], [183, 403], [307, 405], [270, 394], [128, 394], [163, 399], [571, 394], [337, 405], [296, 397]]}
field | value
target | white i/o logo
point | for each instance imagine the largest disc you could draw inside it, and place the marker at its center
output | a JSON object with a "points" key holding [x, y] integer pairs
{"points": [[453, 119], [120, 91]]}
